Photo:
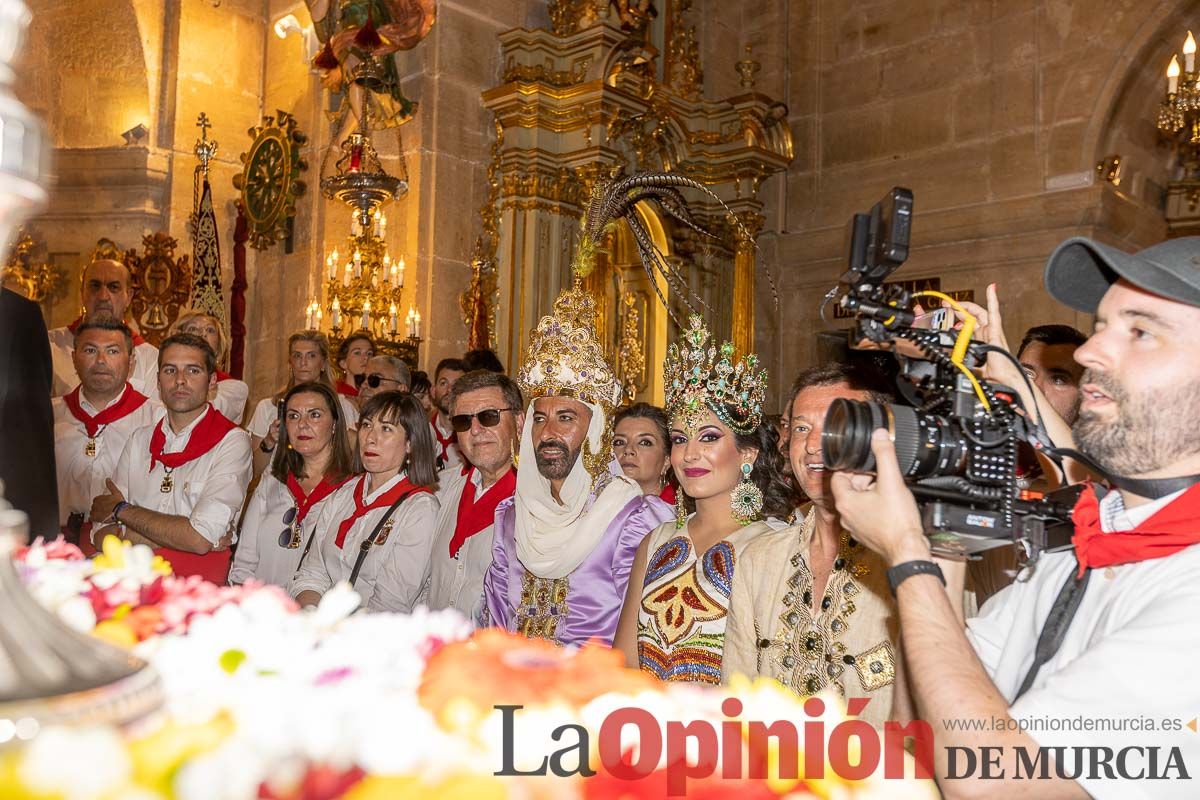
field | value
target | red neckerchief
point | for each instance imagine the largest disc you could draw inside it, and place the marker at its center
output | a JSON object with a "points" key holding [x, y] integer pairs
{"points": [[137, 337], [131, 400], [224, 376], [475, 516], [1168, 531], [346, 389], [668, 494], [402, 488], [445, 443], [304, 502], [207, 434]]}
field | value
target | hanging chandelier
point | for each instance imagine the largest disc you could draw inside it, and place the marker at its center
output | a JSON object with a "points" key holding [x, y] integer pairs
{"points": [[1179, 112], [364, 287]]}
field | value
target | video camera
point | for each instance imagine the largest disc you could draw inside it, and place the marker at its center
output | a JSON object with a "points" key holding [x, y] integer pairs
{"points": [[957, 439]]}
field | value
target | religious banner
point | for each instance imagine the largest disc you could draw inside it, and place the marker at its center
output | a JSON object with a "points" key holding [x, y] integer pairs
{"points": [[206, 259]]}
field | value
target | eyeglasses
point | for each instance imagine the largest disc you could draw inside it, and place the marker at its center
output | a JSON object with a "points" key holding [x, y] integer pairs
{"points": [[374, 379], [290, 538], [488, 418]]}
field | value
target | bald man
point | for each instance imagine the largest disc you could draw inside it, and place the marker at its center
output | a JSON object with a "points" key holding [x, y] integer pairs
{"points": [[105, 292]]}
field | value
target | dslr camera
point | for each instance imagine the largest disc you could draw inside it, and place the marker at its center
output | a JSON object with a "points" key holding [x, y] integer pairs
{"points": [[956, 435]]}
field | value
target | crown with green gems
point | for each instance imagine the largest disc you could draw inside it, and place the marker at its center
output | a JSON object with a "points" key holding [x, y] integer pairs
{"points": [[696, 381]]}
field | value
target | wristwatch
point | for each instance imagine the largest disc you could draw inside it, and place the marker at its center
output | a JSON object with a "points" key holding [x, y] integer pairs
{"points": [[263, 446], [902, 572]]}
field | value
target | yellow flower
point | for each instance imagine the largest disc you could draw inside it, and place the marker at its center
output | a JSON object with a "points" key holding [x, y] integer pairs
{"points": [[112, 553], [156, 757]]}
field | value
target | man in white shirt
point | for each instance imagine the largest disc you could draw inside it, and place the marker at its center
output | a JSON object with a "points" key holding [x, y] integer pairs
{"points": [[180, 482], [488, 416], [445, 444], [105, 291], [93, 421], [1078, 679]]}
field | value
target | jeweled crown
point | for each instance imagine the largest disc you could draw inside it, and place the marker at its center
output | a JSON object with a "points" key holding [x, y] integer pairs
{"points": [[564, 356], [696, 380]]}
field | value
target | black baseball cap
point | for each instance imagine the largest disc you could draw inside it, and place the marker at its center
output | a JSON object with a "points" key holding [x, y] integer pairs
{"points": [[1080, 271]]}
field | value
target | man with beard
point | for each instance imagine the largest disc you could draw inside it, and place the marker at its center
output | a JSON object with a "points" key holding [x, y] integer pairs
{"points": [[488, 417], [93, 421], [1106, 634], [180, 482], [105, 292], [445, 445], [565, 542]]}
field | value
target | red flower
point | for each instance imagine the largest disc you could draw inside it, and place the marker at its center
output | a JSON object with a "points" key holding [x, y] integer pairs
{"points": [[326, 59]]}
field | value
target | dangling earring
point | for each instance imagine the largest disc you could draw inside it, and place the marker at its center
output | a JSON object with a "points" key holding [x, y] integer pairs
{"points": [[512, 453], [681, 511], [746, 499]]}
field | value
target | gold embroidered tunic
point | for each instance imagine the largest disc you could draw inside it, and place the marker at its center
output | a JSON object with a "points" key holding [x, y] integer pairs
{"points": [[843, 639]]}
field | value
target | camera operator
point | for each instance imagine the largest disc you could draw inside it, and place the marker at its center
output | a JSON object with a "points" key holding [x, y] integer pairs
{"points": [[1084, 653]]}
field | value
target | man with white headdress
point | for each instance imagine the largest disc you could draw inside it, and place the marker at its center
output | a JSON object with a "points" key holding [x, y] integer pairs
{"points": [[565, 541]]}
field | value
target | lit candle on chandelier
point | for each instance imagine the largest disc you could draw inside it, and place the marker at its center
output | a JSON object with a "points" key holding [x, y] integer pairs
{"points": [[366, 317], [356, 158], [354, 231], [1173, 75], [308, 316], [408, 322], [417, 325], [375, 221], [401, 272], [374, 279], [357, 264], [394, 319], [336, 312], [331, 262], [382, 225], [1189, 53]]}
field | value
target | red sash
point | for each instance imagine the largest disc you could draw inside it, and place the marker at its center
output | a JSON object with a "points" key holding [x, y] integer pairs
{"points": [[207, 434], [475, 516], [224, 376], [445, 443], [137, 337], [346, 389], [668, 494], [304, 502], [383, 501], [213, 566], [1168, 531], [131, 400]]}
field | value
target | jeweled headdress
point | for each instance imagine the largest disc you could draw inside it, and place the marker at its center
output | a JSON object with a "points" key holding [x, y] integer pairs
{"points": [[697, 380]]}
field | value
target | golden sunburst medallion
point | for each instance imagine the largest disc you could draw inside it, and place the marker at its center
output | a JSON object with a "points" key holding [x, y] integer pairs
{"points": [[270, 178]]}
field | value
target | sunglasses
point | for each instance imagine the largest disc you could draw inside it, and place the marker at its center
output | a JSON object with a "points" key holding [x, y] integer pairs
{"points": [[374, 379], [290, 537], [488, 418]]}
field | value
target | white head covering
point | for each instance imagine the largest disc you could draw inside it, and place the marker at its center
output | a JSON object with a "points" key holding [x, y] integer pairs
{"points": [[553, 539]]}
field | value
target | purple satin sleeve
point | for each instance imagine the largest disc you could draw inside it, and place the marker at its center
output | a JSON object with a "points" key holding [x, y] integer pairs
{"points": [[596, 588]]}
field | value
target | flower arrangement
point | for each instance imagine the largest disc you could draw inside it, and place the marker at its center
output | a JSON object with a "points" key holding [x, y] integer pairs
{"points": [[264, 701]]}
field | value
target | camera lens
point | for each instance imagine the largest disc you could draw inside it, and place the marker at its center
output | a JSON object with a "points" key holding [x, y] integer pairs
{"points": [[926, 445]]}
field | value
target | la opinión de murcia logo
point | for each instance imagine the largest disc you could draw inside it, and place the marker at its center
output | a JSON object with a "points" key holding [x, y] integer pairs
{"points": [[735, 748], [852, 749]]}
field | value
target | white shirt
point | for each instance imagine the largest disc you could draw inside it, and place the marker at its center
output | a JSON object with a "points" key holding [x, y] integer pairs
{"points": [[394, 571], [208, 490], [454, 457], [231, 399], [259, 555], [143, 376], [1129, 655], [458, 582], [265, 413], [80, 476]]}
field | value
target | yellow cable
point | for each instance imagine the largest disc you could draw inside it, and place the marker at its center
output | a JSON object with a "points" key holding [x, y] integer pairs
{"points": [[961, 342]]}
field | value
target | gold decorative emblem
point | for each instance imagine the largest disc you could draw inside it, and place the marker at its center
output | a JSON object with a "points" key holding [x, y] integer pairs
{"points": [[270, 179], [160, 284], [877, 667], [89, 449], [168, 483]]}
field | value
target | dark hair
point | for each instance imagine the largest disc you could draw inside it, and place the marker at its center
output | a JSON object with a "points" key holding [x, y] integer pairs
{"points": [[455, 364], [779, 495], [656, 415], [403, 408], [483, 379], [1051, 335], [287, 461], [189, 340], [857, 375], [482, 358], [360, 335], [420, 382], [106, 322]]}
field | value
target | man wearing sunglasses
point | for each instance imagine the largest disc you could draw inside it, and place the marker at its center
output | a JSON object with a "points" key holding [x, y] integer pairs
{"points": [[384, 374], [487, 414]]}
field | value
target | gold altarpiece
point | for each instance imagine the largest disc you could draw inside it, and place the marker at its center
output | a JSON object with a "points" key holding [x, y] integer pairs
{"points": [[595, 97]]}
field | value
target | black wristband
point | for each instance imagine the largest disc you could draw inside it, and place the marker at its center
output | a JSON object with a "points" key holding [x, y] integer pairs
{"points": [[902, 572], [118, 508]]}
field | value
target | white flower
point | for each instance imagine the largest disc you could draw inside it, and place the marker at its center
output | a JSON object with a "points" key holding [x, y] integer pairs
{"points": [[99, 762]]}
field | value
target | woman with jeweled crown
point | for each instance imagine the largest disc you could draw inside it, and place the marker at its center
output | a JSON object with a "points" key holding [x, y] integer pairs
{"points": [[727, 462]]}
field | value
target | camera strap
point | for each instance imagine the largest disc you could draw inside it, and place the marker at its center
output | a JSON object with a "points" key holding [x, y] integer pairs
{"points": [[368, 542], [1153, 488], [1055, 628]]}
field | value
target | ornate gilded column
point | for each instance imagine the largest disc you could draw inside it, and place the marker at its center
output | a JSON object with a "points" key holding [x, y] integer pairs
{"points": [[743, 279]]}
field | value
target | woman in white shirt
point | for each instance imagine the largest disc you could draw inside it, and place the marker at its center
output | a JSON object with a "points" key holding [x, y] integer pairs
{"points": [[230, 395], [308, 360], [392, 507], [313, 460]]}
